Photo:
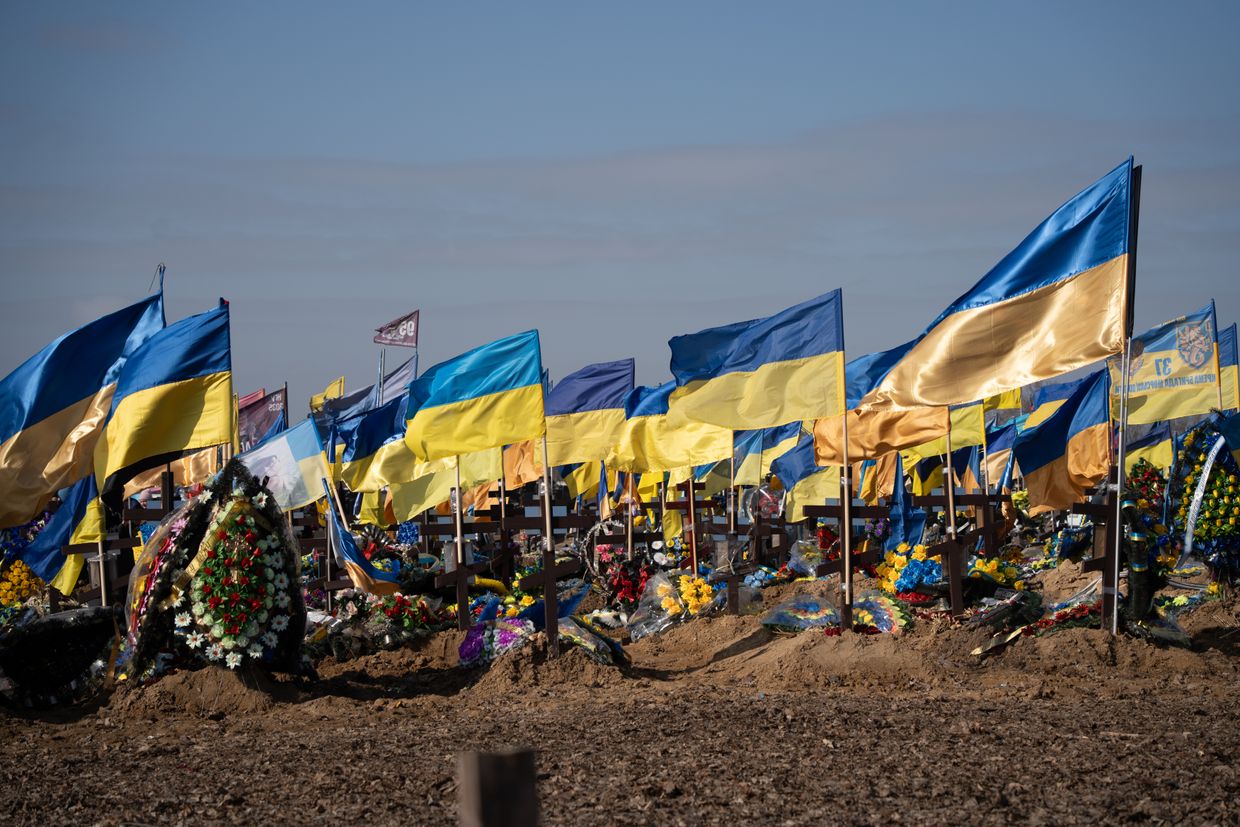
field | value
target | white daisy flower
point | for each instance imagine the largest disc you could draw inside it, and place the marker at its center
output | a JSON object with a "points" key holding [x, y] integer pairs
{"points": [[195, 640], [255, 651], [260, 499], [279, 623], [215, 651], [184, 619], [233, 660], [282, 600], [281, 581], [270, 640]]}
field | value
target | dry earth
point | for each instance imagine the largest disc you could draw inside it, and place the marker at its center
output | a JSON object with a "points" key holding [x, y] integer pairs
{"points": [[716, 722]]}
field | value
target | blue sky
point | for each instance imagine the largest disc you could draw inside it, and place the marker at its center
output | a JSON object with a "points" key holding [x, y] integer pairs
{"points": [[612, 174]]}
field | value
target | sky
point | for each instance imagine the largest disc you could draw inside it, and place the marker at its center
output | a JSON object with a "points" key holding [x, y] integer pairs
{"points": [[611, 174]]}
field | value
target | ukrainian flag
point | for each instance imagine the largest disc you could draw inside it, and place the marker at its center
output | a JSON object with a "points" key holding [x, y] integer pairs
{"points": [[654, 438], [292, 462], [174, 394], [1069, 452], [1229, 381], [436, 479], [1157, 447], [53, 406], [484, 398], [585, 412], [375, 453], [715, 475], [747, 457], [766, 372], [805, 482], [1056, 303], [78, 520], [1174, 371], [582, 480], [776, 442], [1048, 399], [360, 570], [927, 475], [907, 523], [1229, 427], [968, 428], [999, 457]]}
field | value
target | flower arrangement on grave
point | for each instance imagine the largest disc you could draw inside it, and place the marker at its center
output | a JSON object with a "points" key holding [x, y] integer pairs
{"points": [[688, 597], [218, 583], [875, 532], [1212, 490], [1082, 614], [626, 580], [996, 570], [19, 583], [1147, 484], [904, 569]]}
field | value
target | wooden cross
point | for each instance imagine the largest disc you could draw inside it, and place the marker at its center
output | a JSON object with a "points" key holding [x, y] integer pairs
{"points": [[1104, 515], [952, 553], [988, 517], [856, 559], [689, 506], [460, 576], [551, 572]]}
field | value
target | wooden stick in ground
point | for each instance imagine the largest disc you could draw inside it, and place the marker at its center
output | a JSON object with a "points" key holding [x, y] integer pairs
{"points": [[497, 789]]}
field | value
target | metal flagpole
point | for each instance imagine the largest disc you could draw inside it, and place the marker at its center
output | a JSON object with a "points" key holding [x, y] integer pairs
{"points": [[846, 495]]}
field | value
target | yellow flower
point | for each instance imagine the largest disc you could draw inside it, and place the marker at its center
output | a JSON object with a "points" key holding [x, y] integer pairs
{"points": [[527, 601]]}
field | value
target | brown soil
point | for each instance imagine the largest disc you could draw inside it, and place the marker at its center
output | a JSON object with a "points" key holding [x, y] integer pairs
{"points": [[717, 721]]}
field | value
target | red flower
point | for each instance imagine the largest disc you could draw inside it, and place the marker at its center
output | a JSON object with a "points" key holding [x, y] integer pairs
{"points": [[206, 588], [208, 571], [243, 580], [234, 630], [210, 554], [262, 591], [214, 602], [222, 534], [234, 599], [250, 537], [228, 581], [230, 562], [226, 617], [241, 618]]}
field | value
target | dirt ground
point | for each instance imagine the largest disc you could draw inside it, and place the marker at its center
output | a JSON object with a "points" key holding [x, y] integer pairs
{"points": [[715, 722]]}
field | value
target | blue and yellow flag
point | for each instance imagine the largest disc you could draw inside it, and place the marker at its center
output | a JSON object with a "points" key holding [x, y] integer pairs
{"points": [[655, 438], [776, 442], [78, 520], [1048, 399], [1056, 303], [375, 453], [53, 406], [585, 412], [484, 398], [1229, 380], [360, 570], [907, 522], [174, 394], [927, 475], [1069, 452], [805, 482], [1000, 461], [292, 463], [1174, 372], [765, 372], [747, 457], [1157, 447], [1229, 427]]}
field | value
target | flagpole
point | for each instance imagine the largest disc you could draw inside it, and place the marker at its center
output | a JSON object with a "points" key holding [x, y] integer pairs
{"points": [[457, 517], [846, 494], [628, 511], [379, 383], [949, 481], [732, 487], [548, 547]]}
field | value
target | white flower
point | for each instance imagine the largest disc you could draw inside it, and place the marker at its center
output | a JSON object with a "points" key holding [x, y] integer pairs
{"points": [[270, 640], [233, 660], [281, 581], [279, 623], [184, 619], [215, 651], [255, 651], [217, 630], [251, 629], [229, 643], [282, 600], [195, 640], [260, 499], [198, 609]]}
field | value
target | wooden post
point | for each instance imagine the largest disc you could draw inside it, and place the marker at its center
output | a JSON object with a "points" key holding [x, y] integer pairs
{"points": [[692, 526], [497, 789], [628, 511]]}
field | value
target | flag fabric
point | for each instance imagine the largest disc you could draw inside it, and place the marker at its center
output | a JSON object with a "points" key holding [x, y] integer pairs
{"points": [[765, 372], [1157, 447], [78, 520], [334, 389], [260, 417], [250, 398], [747, 457], [1006, 401], [484, 398], [968, 428], [436, 479], [522, 463], [53, 406], [1056, 303], [188, 470], [1229, 379], [926, 476], [173, 395], [1048, 399], [656, 438], [355, 403], [1229, 428], [375, 453], [907, 522], [876, 478], [585, 412], [966, 469], [874, 433], [360, 570], [293, 463], [582, 480], [805, 482], [999, 457], [1069, 452], [1174, 371], [776, 442], [402, 332]]}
